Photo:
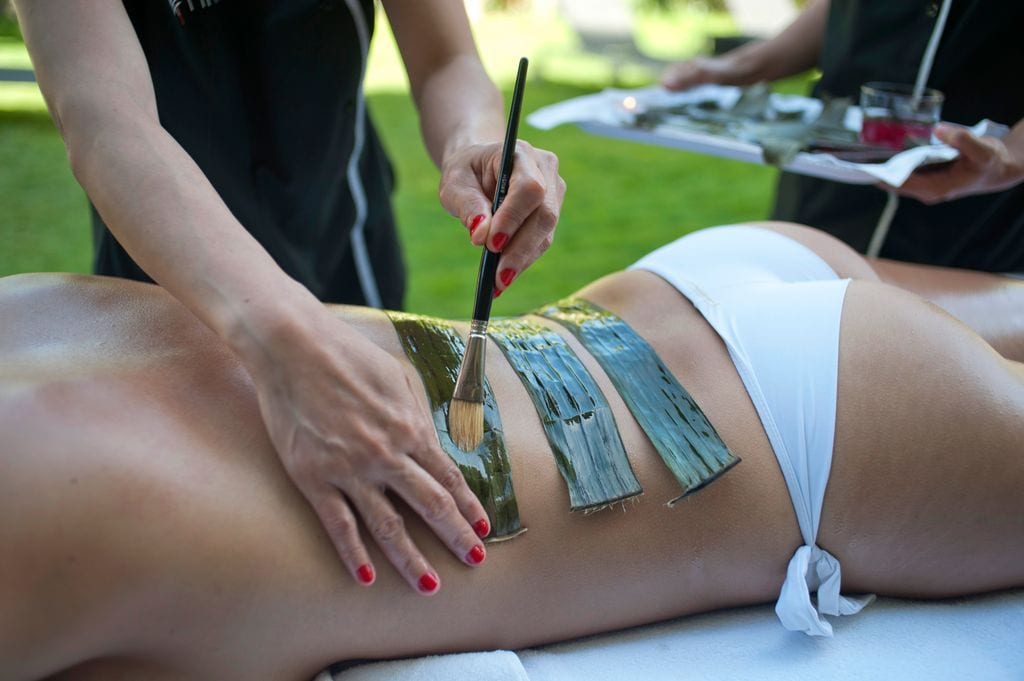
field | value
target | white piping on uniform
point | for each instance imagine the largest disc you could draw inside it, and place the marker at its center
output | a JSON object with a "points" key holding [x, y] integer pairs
{"points": [[364, 269], [892, 203], [929, 53]]}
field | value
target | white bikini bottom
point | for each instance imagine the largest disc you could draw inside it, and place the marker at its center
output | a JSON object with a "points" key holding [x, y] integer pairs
{"points": [[777, 306]]}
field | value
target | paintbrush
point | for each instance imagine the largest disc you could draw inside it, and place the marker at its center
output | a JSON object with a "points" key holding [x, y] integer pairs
{"points": [[466, 412]]}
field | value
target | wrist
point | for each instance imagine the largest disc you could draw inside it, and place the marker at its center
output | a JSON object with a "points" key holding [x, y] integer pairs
{"points": [[479, 134], [746, 65], [483, 124], [255, 329], [1015, 147]]}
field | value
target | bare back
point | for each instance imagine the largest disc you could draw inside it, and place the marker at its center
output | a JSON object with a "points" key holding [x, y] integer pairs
{"points": [[135, 453]]}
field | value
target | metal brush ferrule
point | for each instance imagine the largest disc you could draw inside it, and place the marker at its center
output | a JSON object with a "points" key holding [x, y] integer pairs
{"points": [[470, 385]]}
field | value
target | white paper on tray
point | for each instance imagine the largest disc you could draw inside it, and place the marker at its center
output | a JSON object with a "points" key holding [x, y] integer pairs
{"points": [[607, 106], [611, 112]]}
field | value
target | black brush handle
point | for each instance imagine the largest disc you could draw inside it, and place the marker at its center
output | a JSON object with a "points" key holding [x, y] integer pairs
{"points": [[489, 259]]}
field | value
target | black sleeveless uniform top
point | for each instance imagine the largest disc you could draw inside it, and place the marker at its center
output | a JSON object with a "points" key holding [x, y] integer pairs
{"points": [[266, 97], [979, 59]]}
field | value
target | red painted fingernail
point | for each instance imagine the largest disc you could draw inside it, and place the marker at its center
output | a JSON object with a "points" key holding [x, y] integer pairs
{"points": [[476, 555], [482, 528], [365, 574], [499, 242], [428, 583], [506, 276], [497, 293], [475, 223]]}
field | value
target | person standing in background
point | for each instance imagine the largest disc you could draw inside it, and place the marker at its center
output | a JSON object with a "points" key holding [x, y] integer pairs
{"points": [[228, 153], [968, 213]]}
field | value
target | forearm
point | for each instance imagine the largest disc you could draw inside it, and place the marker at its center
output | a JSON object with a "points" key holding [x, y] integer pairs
{"points": [[795, 50], [1006, 169], [462, 118], [457, 102], [459, 106], [164, 211], [1015, 147], [155, 199]]}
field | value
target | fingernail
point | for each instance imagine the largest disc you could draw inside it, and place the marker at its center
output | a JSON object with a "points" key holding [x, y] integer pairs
{"points": [[475, 223], [499, 242], [428, 583], [482, 528], [506, 276], [365, 574], [497, 293], [476, 555]]}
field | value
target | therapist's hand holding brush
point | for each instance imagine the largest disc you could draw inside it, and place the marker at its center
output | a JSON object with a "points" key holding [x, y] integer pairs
{"points": [[524, 226], [465, 413]]}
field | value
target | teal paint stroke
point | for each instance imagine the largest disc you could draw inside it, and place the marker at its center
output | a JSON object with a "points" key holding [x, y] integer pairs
{"points": [[672, 420], [576, 417], [435, 350]]}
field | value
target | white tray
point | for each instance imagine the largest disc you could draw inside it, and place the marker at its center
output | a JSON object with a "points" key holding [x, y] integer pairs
{"points": [[820, 165], [603, 114]]}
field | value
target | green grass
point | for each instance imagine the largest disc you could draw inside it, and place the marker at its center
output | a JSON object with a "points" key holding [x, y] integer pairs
{"points": [[44, 224], [623, 198]]}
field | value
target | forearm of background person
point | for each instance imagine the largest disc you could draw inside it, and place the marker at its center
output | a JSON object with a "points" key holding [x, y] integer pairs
{"points": [[1007, 168], [1014, 143], [796, 49], [341, 413]]}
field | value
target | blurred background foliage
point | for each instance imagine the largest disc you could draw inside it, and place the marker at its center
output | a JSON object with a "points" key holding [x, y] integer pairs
{"points": [[623, 198], [8, 24]]}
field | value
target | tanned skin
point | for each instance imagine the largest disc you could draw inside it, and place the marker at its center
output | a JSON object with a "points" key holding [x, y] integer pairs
{"points": [[150, 531]]}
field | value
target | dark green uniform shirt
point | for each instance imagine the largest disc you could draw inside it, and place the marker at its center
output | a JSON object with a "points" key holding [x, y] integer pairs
{"points": [[978, 66], [266, 97]]}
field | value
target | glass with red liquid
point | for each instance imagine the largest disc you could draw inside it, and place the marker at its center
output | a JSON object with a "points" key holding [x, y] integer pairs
{"points": [[893, 118]]}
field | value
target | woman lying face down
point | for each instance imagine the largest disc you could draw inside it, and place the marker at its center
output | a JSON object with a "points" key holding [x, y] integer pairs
{"points": [[150, 531]]}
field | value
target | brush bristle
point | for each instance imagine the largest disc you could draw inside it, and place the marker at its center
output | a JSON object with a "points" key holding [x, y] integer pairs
{"points": [[466, 424]]}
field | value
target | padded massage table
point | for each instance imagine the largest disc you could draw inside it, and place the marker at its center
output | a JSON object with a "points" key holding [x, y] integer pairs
{"points": [[978, 638]]}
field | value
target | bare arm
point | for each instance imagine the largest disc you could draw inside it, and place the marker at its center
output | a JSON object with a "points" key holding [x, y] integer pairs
{"points": [[158, 203], [794, 50], [463, 123], [343, 418]]}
